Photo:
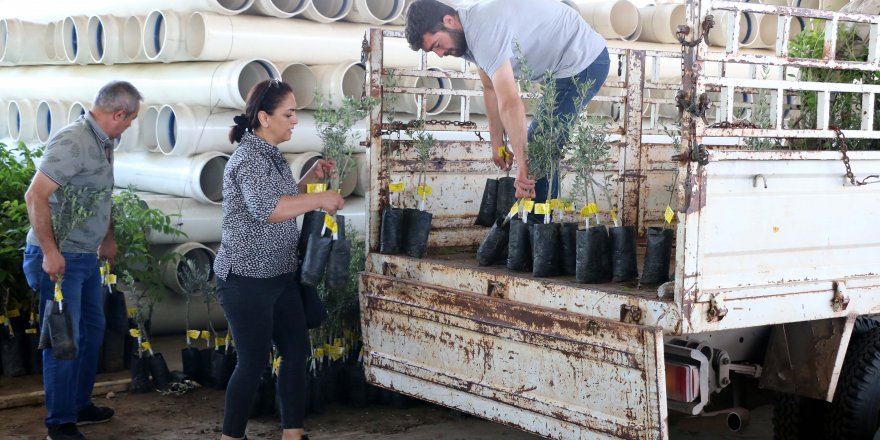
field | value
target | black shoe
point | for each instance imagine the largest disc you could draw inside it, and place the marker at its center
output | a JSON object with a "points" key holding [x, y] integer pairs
{"points": [[66, 431], [94, 414]]}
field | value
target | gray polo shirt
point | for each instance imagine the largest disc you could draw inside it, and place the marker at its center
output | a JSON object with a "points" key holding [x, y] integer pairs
{"points": [[552, 37], [81, 155]]}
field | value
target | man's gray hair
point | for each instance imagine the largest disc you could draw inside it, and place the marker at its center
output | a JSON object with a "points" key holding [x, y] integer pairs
{"points": [[118, 95]]}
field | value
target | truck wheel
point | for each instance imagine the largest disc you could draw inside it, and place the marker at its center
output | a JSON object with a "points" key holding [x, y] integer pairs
{"points": [[864, 324], [796, 417], [855, 412]]}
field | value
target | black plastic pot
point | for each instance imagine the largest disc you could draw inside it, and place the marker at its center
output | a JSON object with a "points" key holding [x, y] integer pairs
{"points": [[658, 252], [593, 256], [13, 348], [545, 249], [315, 260], [623, 254], [159, 371], [35, 355], [358, 389], [519, 247], [506, 196], [59, 329], [568, 247], [488, 204], [312, 223], [338, 263], [316, 395], [113, 351], [116, 312], [391, 235], [416, 226], [494, 245], [264, 404], [140, 376], [205, 357], [191, 361], [222, 366]]}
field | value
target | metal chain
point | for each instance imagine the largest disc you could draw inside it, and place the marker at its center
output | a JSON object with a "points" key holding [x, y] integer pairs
{"points": [[682, 31], [398, 126], [840, 140], [737, 124]]}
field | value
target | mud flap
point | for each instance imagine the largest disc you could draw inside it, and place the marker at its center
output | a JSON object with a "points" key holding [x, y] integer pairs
{"points": [[557, 374]]}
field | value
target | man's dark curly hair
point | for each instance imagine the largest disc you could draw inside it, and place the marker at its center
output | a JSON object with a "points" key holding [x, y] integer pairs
{"points": [[425, 16]]}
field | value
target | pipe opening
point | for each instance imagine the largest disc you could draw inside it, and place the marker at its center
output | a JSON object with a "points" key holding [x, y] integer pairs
{"points": [[153, 41], [734, 422], [4, 38], [71, 45], [211, 178], [354, 81], [235, 5], [385, 10], [100, 37], [13, 120], [303, 81], [95, 32], [201, 256], [76, 111], [624, 18], [332, 10], [44, 121], [148, 128], [290, 6], [251, 74], [195, 35]]}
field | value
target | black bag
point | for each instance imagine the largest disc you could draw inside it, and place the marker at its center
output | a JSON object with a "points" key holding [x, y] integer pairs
{"points": [[159, 370], [493, 247], [314, 262], [313, 307], [658, 253], [486, 214], [391, 232], [417, 227], [59, 332], [338, 264], [140, 375]]}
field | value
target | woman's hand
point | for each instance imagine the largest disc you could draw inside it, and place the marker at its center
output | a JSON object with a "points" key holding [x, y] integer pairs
{"points": [[321, 170], [330, 201]]}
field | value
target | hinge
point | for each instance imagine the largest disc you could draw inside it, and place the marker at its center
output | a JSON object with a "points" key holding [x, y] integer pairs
{"points": [[631, 314], [496, 289], [839, 301], [717, 310], [698, 154]]}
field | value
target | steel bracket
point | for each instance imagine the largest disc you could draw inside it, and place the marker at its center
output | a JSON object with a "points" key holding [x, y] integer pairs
{"points": [[839, 301], [631, 314], [717, 310]]}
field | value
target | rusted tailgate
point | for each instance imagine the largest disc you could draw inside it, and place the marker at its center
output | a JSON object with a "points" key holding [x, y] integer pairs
{"points": [[558, 374]]}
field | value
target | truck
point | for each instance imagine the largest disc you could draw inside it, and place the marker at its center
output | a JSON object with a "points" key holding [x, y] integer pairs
{"points": [[776, 254]]}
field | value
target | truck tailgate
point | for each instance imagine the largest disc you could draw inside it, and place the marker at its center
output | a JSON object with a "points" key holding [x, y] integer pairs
{"points": [[554, 373]]}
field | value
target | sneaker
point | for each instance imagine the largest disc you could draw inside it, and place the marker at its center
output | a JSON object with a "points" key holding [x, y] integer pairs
{"points": [[66, 431], [94, 414]]}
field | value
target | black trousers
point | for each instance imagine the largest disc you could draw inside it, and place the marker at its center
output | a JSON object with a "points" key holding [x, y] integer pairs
{"points": [[260, 312]]}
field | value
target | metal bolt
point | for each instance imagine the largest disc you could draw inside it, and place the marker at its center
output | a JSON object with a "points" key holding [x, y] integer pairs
{"points": [[725, 381], [725, 361]]}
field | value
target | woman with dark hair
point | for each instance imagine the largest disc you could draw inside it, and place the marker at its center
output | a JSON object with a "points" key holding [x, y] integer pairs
{"points": [[257, 262]]}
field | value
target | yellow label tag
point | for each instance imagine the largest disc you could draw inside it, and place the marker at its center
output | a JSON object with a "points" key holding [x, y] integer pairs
{"points": [[30, 331], [14, 313], [193, 334], [2, 319], [554, 203], [316, 187], [528, 204], [33, 317], [319, 352], [614, 215], [135, 333], [206, 335], [103, 270], [502, 152], [338, 342], [397, 187], [131, 312], [146, 345], [585, 212], [669, 214], [111, 279], [542, 208], [330, 223], [58, 295], [569, 207], [514, 209], [276, 364], [219, 341], [592, 208], [425, 191]]}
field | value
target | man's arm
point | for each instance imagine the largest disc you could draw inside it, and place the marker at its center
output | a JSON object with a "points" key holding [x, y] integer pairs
{"points": [[40, 216], [513, 117], [107, 248], [496, 128]]}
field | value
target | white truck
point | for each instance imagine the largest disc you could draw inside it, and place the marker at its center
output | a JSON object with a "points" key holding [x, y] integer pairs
{"points": [[776, 260]]}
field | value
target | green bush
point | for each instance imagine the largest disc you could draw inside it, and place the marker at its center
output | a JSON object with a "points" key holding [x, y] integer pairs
{"points": [[17, 168]]}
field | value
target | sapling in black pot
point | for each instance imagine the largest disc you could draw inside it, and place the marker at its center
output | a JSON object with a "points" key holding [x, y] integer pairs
{"points": [[116, 330], [659, 240], [417, 222], [13, 344], [196, 281]]}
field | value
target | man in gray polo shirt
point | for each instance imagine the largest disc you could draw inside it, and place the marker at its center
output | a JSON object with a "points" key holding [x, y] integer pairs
{"points": [[551, 36], [81, 156]]}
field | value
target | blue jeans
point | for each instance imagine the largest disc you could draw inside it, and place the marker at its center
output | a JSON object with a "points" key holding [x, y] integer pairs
{"points": [[68, 383], [567, 108], [260, 312]]}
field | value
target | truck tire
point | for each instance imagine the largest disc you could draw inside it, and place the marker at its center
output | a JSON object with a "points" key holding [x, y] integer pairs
{"points": [[797, 418], [853, 414], [865, 323]]}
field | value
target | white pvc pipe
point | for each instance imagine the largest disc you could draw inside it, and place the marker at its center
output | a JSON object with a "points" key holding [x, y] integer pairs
{"points": [[436, 104], [401, 20], [768, 26], [363, 180], [169, 271], [199, 177], [74, 33], [338, 81], [302, 80], [278, 8], [106, 36], [611, 19], [55, 42], [43, 11], [328, 11], [660, 22], [148, 139], [21, 120], [23, 43], [718, 33], [51, 117], [4, 124], [76, 110], [199, 221], [477, 104], [133, 39], [208, 84], [183, 130], [131, 139], [164, 33], [211, 37], [375, 12]]}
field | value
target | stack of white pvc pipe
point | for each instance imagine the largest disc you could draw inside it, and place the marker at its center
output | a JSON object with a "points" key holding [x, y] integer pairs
{"points": [[199, 177], [616, 19]]}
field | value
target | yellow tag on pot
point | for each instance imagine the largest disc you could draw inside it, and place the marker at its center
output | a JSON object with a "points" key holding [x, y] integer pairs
{"points": [[58, 295], [135, 333], [514, 209], [146, 345], [14, 313], [276, 364], [30, 331], [219, 341], [330, 223], [669, 214], [569, 207], [316, 187], [319, 353], [554, 203], [131, 312], [542, 208], [528, 204], [425, 191], [2, 319], [614, 215], [111, 278], [585, 212], [206, 335], [592, 208], [33, 317], [193, 334], [397, 187]]}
